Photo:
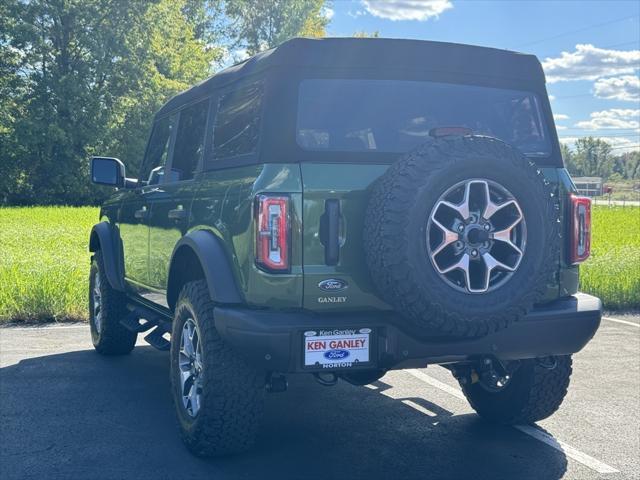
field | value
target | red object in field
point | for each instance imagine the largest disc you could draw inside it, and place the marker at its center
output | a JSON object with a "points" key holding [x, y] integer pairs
{"points": [[607, 189], [272, 233], [580, 233]]}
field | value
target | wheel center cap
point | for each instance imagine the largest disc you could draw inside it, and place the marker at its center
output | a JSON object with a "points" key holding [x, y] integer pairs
{"points": [[476, 235]]}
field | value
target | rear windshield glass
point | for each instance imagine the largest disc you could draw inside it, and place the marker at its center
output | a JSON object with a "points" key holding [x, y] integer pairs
{"points": [[396, 115]]}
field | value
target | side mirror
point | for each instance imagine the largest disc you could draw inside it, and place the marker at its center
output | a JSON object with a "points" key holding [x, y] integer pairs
{"points": [[107, 171]]}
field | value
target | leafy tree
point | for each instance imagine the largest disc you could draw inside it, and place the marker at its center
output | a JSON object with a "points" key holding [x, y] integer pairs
{"points": [[363, 34], [166, 58], [593, 157], [316, 22], [84, 77], [11, 87], [66, 53], [93, 72], [627, 165], [261, 25], [569, 160]]}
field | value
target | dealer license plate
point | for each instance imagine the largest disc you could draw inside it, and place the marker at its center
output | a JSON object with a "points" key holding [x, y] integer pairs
{"points": [[336, 348]]}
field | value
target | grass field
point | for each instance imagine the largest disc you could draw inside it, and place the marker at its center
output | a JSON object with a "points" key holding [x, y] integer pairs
{"points": [[613, 271], [44, 261]]}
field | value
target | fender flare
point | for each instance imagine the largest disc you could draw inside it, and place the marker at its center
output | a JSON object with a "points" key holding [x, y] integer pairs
{"points": [[215, 264], [102, 238]]}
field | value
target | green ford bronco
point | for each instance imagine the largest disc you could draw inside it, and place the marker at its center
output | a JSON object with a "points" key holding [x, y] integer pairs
{"points": [[342, 208]]}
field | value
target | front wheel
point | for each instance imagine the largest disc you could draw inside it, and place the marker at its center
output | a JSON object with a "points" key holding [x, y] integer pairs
{"points": [[217, 395], [532, 392], [106, 308]]}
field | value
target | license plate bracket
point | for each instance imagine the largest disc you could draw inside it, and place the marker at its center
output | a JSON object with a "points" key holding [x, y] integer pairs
{"points": [[337, 348]]}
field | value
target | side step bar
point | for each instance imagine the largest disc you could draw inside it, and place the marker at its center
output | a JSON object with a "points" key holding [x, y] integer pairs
{"points": [[140, 320], [157, 340], [135, 322]]}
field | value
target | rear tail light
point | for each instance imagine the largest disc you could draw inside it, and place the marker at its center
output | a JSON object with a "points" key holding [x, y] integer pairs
{"points": [[273, 233], [580, 236]]}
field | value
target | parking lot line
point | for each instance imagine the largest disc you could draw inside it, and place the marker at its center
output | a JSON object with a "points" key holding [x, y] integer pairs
{"points": [[617, 320], [420, 408], [568, 450], [436, 383], [533, 432]]}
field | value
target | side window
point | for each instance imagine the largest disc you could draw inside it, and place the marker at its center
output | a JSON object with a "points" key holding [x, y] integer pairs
{"points": [[189, 141], [238, 122], [157, 151]]}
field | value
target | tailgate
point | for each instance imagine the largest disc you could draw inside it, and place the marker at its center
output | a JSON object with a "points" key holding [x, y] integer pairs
{"points": [[336, 276], [335, 199]]}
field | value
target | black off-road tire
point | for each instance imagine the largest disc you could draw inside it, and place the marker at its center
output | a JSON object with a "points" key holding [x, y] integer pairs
{"points": [[112, 338], [232, 391], [395, 236], [533, 393]]}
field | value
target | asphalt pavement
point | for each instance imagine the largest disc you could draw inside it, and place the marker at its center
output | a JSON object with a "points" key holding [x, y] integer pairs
{"points": [[67, 412]]}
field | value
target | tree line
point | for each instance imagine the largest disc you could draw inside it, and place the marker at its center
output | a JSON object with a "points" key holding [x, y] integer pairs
{"points": [[594, 157], [84, 77]]}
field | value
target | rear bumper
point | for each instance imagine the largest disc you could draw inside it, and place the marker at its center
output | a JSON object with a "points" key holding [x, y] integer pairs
{"points": [[273, 340]]}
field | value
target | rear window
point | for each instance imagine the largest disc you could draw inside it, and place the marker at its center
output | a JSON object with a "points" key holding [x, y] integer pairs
{"points": [[396, 115], [238, 122], [189, 141]]}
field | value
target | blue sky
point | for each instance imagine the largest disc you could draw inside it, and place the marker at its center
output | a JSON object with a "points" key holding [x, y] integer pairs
{"points": [[594, 84]]}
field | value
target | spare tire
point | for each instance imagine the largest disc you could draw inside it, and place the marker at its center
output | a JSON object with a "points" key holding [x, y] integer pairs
{"points": [[462, 236]]}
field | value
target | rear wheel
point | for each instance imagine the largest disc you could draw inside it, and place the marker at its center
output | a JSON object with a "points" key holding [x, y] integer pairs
{"points": [[530, 393], [217, 395], [106, 308]]}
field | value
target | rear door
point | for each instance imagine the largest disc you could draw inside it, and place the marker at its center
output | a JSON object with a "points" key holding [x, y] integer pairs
{"points": [[170, 206]]}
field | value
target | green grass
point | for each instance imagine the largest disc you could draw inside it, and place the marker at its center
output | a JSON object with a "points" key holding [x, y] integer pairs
{"points": [[613, 271], [44, 262]]}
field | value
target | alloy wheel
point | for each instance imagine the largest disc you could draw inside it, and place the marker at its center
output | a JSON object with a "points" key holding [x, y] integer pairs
{"points": [[476, 236], [96, 299], [190, 367]]}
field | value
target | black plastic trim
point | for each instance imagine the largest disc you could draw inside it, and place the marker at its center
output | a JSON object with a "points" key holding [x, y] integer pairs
{"points": [[215, 264], [102, 238], [271, 340]]}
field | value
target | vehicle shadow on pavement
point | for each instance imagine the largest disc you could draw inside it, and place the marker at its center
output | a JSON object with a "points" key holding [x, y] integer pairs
{"points": [[81, 415]]}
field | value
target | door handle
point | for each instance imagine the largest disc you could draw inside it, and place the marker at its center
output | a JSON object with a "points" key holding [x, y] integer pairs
{"points": [[330, 231], [178, 213], [141, 214]]}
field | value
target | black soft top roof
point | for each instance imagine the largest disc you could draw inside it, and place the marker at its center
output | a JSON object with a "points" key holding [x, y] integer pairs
{"points": [[374, 53]]}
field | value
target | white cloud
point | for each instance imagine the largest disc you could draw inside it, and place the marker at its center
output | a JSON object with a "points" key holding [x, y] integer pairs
{"points": [[406, 9], [589, 63], [626, 87], [327, 12], [552, 98], [568, 140], [559, 117], [621, 118]]}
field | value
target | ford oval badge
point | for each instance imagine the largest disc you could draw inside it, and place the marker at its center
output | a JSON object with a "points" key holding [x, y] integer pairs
{"points": [[336, 354], [332, 285]]}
